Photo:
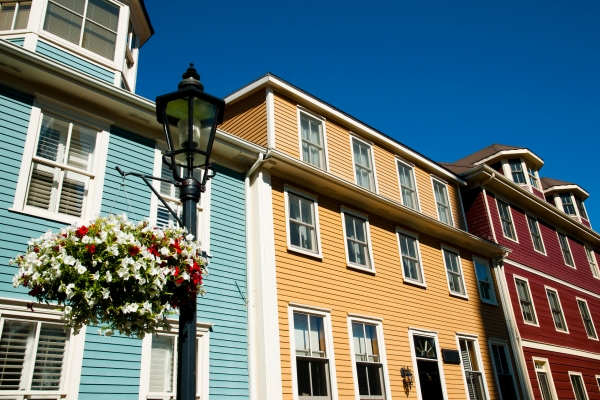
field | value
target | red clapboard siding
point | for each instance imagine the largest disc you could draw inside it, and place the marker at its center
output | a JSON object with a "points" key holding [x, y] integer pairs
{"points": [[586, 222], [560, 365], [477, 217], [546, 332], [537, 193], [553, 262]]}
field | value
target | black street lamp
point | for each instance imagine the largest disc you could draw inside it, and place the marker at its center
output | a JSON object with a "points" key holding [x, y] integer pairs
{"points": [[190, 118]]}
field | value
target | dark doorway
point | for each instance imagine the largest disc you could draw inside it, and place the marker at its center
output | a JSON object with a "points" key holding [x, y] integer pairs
{"points": [[430, 382]]}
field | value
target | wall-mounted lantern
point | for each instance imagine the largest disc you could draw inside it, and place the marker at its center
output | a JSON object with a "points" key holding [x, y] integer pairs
{"points": [[407, 377]]}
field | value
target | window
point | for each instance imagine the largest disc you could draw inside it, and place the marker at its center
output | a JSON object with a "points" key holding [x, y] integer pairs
{"points": [[158, 374], [581, 208], [527, 307], [14, 15], [369, 363], [358, 246], [592, 260], [533, 177], [566, 250], [363, 164], [503, 369], [485, 283], [456, 283], [473, 369], [91, 24], [429, 375], [545, 381], [410, 255], [578, 386], [556, 309], [587, 319], [302, 214], [516, 169], [408, 188], [536, 236], [311, 140], [311, 355], [443, 205], [34, 357], [508, 228], [567, 203]]}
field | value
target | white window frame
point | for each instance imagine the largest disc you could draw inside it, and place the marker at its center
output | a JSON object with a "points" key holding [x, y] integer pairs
{"points": [[12, 24], [537, 320], [512, 220], [504, 345], [432, 334], [594, 267], [562, 310], [415, 236], [582, 383], [309, 114], [537, 224], [536, 178], [17, 310], [203, 208], [577, 300], [343, 212], [445, 184], [326, 314], [353, 137], [411, 166], [120, 43], [382, 354], [562, 204], [92, 203], [547, 371], [202, 370], [558, 233], [493, 300], [288, 189], [473, 338], [579, 211], [598, 380], [464, 295], [509, 174]]}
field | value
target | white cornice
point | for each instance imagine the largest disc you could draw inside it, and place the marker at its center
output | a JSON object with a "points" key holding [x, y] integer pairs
{"points": [[515, 152]]}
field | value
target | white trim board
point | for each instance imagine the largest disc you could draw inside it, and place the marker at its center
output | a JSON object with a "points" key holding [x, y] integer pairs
{"points": [[559, 349]]}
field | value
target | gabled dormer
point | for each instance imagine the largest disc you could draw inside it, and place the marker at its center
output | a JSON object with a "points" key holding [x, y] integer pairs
{"points": [[101, 38], [568, 197]]}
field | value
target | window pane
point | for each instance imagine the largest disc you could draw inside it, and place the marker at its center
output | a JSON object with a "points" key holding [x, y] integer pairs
{"points": [[485, 284], [7, 13], [544, 386], [301, 334], [99, 40], [50, 357], [162, 363], [22, 15], [63, 23], [103, 13], [317, 336], [52, 140], [581, 208], [17, 336], [425, 347], [81, 148], [517, 170], [74, 5], [73, 193], [557, 314], [41, 186], [370, 379], [578, 388]]}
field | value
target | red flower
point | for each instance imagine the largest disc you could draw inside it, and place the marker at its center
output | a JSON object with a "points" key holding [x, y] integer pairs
{"points": [[91, 248], [176, 274], [134, 250], [64, 235], [179, 281], [154, 250], [197, 279], [35, 291], [81, 231], [176, 247]]}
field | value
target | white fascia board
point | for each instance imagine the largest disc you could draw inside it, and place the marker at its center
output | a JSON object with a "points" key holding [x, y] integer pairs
{"points": [[566, 188], [356, 126], [514, 152], [239, 142]]}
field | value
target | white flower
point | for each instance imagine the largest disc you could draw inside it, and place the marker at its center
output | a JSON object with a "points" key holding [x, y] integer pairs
{"points": [[130, 308], [103, 236], [69, 260], [97, 275], [89, 294], [147, 307], [105, 293], [68, 310], [80, 268], [108, 276], [86, 239], [16, 281], [164, 251], [189, 237], [123, 272]]}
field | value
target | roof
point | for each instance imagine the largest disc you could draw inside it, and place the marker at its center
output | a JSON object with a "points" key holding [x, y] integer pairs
{"points": [[550, 182], [457, 168], [556, 185], [471, 159]]}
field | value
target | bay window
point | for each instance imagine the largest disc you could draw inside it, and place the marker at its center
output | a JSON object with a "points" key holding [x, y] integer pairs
{"points": [[14, 15], [567, 203], [581, 208], [533, 177], [516, 169]]}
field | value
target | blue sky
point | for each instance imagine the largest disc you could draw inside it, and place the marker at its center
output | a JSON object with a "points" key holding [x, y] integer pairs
{"points": [[445, 78]]}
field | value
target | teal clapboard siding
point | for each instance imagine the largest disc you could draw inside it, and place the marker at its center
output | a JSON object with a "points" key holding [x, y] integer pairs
{"points": [[15, 229], [71, 60], [223, 304], [18, 41]]}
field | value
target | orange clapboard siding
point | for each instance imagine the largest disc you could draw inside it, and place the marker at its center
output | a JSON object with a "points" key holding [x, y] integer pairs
{"points": [[339, 151], [328, 283], [286, 125], [247, 119], [387, 175]]}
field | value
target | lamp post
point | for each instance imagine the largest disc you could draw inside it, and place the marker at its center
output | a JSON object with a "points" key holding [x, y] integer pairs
{"points": [[189, 118]]}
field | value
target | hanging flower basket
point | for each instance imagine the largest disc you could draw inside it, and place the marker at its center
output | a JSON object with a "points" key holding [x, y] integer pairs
{"points": [[125, 277]]}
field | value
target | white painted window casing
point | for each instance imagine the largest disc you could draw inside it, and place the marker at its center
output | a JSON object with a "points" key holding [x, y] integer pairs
{"points": [[516, 169], [508, 228], [472, 369], [593, 263], [525, 301], [503, 369], [556, 310], [454, 272], [368, 362], [545, 381], [485, 282], [581, 208], [566, 249], [578, 386], [536, 235], [362, 155], [533, 180], [312, 143], [302, 222], [408, 186], [588, 323], [410, 257], [357, 240], [442, 201], [14, 15], [567, 203]]}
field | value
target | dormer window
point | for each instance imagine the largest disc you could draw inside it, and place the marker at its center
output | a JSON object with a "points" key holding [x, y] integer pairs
{"points": [[91, 24], [581, 208], [516, 168], [14, 15], [567, 203], [533, 178]]}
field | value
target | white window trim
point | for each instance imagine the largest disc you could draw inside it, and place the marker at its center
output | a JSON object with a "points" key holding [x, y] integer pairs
{"points": [[574, 266], [319, 253], [343, 212], [598, 380], [512, 220], [577, 299], [562, 310], [203, 349], [582, 382], [548, 374], [473, 338], [370, 145], [328, 343], [462, 272], [71, 114], [414, 175], [418, 332], [416, 237], [595, 275], [447, 197], [299, 112], [382, 354], [17, 309], [504, 345], [493, 300], [537, 222], [537, 320]]}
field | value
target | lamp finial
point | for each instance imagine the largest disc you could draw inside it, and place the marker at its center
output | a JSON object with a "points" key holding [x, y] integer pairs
{"points": [[191, 78]]}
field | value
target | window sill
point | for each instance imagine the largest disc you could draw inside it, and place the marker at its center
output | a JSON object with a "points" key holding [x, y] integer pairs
{"points": [[567, 332], [531, 324], [508, 238], [459, 295], [39, 213], [362, 269], [539, 252], [490, 302], [305, 252], [415, 283]]}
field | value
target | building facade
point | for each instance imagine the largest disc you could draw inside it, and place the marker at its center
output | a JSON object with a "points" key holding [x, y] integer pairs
{"points": [[550, 279]]}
